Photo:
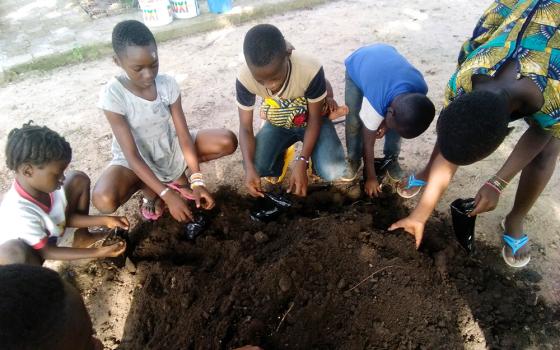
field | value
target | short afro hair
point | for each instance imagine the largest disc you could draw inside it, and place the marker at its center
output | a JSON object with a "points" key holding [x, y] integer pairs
{"points": [[36, 145], [131, 33], [263, 43], [415, 114], [32, 307], [472, 126]]}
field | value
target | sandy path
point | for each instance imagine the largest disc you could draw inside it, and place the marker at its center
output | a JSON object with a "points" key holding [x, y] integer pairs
{"points": [[428, 32]]}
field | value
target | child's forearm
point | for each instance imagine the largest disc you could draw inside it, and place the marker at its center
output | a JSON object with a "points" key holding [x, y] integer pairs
{"points": [[185, 140], [189, 152], [143, 171], [440, 174], [52, 252], [124, 137], [313, 128], [369, 138], [247, 139], [527, 148], [84, 221]]}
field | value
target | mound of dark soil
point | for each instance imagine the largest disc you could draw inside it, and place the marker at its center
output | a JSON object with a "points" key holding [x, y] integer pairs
{"points": [[325, 275]]}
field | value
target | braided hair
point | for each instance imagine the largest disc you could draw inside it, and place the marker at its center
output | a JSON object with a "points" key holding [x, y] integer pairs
{"points": [[131, 33], [36, 145], [262, 44]]}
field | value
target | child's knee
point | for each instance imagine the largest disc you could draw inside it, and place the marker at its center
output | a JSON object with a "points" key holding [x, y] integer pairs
{"points": [[17, 252], [104, 201], [78, 180], [228, 142]]}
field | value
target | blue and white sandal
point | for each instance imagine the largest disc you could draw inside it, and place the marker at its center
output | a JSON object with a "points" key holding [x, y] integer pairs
{"points": [[412, 182], [515, 244]]}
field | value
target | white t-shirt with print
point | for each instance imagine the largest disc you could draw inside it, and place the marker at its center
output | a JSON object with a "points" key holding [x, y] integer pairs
{"points": [[24, 218], [150, 123]]}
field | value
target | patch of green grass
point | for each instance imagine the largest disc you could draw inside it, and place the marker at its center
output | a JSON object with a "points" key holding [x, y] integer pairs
{"points": [[50, 62], [129, 3], [212, 22]]}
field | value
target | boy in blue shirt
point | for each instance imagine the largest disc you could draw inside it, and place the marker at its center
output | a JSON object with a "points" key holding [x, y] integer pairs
{"points": [[387, 95]]}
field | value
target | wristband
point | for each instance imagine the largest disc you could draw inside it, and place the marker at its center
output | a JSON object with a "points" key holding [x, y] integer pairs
{"points": [[162, 193], [196, 176], [491, 185], [303, 158], [197, 183], [498, 182]]}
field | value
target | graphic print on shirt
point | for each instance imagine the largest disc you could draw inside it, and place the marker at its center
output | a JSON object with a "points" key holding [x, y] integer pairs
{"points": [[285, 113]]}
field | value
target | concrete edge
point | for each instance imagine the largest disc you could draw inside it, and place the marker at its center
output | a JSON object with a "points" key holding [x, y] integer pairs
{"points": [[99, 50]]}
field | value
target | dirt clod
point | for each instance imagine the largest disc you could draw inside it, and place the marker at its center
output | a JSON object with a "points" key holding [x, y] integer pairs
{"points": [[261, 237]]}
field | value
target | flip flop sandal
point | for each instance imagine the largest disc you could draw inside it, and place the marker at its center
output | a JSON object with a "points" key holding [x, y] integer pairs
{"points": [[148, 209], [182, 190], [412, 182], [515, 244]]}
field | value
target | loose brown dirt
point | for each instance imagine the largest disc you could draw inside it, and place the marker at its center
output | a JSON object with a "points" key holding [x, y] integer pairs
{"points": [[325, 275]]}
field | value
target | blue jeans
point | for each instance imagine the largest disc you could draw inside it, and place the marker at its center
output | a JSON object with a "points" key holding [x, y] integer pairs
{"points": [[272, 142], [353, 97]]}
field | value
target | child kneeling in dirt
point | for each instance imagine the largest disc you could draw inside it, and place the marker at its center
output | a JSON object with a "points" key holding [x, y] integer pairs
{"points": [[43, 202], [293, 88], [152, 144], [387, 95]]}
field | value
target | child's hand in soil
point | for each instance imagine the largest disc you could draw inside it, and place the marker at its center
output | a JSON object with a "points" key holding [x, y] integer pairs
{"points": [[372, 188], [253, 184], [411, 225], [486, 200], [203, 198], [112, 251], [177, 207], [116, 221], [298, 180]]}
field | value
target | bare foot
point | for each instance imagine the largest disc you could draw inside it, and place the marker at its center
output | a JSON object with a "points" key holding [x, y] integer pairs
{"points": [[340, 111], [151, 209]]}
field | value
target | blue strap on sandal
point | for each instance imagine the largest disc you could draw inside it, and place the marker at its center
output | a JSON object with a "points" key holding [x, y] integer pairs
{"points": [[414, 182], [515, 243]]}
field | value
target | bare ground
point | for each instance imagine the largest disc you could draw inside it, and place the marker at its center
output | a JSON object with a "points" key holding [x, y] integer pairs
{"points": [[428, 32]]}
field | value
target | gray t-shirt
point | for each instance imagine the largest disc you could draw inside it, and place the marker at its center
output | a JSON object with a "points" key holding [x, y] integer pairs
{"points": [[151, 125]]}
